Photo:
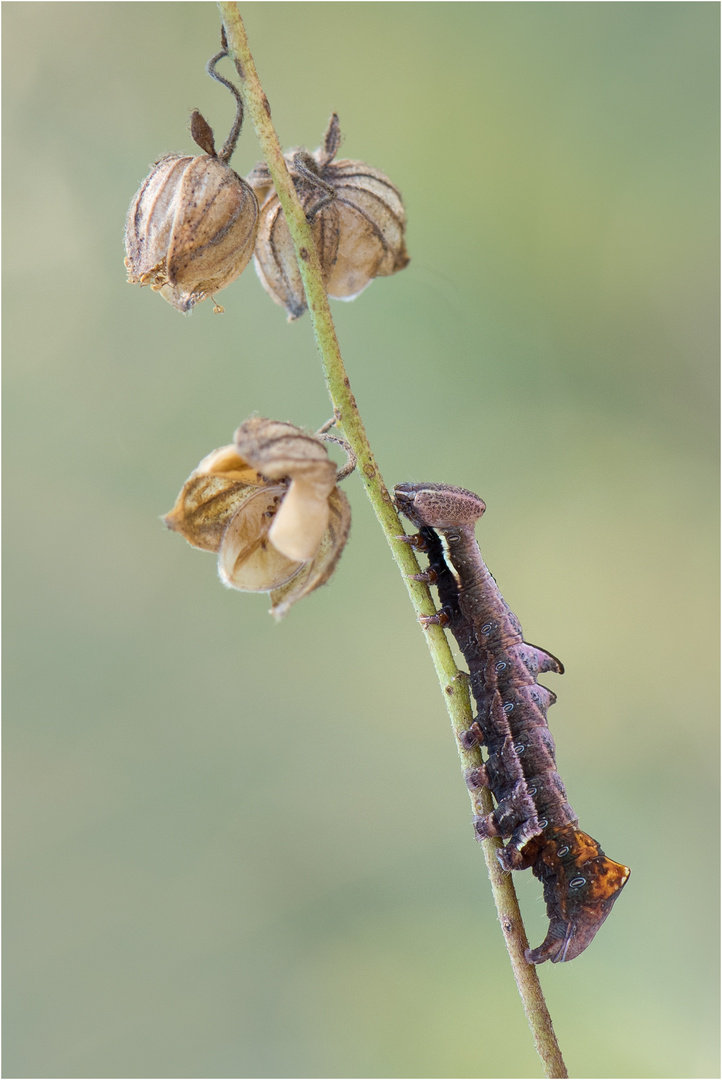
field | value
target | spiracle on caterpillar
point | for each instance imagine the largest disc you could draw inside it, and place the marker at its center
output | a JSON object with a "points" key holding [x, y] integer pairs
{"points": [[532, 813]]}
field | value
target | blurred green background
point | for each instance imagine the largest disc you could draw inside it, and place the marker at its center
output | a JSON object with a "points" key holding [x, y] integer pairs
{"points": [[241, 849]]}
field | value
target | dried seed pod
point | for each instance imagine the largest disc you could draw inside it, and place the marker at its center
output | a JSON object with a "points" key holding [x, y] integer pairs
{"points": [[192, 224], [358, 222], [191, 229], [270, 508]]}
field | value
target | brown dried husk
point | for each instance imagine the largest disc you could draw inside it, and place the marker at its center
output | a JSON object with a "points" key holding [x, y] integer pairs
{"points": [[231, 507], [191, 229], [359, 236]]}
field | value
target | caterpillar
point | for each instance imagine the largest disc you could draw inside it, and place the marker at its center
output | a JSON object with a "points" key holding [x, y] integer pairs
{"points": [[532, 813]]}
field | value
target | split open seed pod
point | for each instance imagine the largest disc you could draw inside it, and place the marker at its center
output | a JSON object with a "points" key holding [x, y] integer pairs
{"points": [[358, 222], [270, 508]]}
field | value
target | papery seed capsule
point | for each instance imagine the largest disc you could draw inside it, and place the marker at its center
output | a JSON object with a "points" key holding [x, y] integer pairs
{"points": [[192, 225], [270, 508], [191, 229], [358, 222]]}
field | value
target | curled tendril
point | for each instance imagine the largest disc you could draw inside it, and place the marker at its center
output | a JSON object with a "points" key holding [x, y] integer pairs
{"points": [[230, 144], [351, 460]]}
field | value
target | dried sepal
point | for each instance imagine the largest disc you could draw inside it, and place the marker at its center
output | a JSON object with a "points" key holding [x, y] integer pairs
{"points": [[202, 133], [270, 508], [191, 229], [358, 223], [227, 462], [211, 496]]}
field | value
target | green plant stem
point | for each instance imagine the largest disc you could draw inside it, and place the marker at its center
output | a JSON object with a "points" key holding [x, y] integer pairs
{"points": [[454, 685]]}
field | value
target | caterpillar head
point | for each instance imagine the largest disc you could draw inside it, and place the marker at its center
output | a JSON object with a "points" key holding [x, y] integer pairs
{"points": [[580, 891], [439, 506]]}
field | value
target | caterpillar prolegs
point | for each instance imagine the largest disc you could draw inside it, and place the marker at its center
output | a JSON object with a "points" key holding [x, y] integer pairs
{"points": [[532, 813]]}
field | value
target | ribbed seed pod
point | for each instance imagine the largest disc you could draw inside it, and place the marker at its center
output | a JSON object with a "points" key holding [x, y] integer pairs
{"points": [[192, 224], [358, 222], [191, 229]]}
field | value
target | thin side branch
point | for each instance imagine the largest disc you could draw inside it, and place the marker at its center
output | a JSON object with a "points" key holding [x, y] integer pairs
{"points": [[454, 685]]}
